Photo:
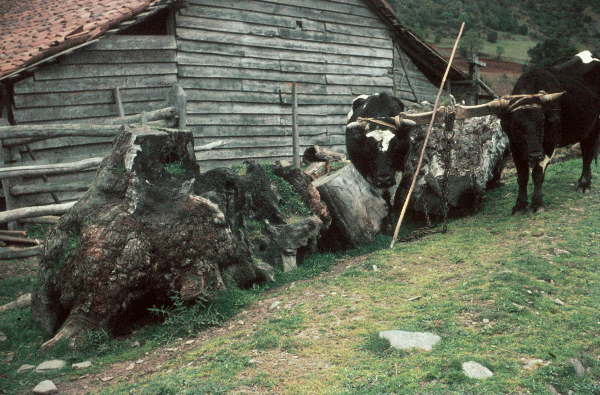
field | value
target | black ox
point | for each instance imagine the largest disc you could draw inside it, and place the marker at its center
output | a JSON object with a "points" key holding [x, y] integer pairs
{"points": [[535, 129], [378, 146]]}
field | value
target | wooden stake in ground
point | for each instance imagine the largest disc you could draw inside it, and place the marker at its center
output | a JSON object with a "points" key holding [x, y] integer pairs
{"points": [[435, 107]]}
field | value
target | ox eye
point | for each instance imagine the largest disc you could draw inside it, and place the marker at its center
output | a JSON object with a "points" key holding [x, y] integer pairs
{"points": [[359, 137]]}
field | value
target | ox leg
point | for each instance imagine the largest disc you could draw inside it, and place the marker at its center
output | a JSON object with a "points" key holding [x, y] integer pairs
{"points": [[537, 175], [588, 148], [522, 180]]}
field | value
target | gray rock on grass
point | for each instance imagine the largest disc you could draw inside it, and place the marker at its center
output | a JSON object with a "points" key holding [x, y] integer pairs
{"points": [[403, 339], [45, 387], [47, 366], [475, 370]]}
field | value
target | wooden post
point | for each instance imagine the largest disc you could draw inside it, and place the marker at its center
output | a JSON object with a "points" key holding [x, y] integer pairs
{"points": [[119, 102], [295, 136], [178, 98], [181, 104]]}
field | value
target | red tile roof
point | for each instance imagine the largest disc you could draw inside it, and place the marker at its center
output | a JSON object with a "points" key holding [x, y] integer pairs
{"points": [[33, 30]]}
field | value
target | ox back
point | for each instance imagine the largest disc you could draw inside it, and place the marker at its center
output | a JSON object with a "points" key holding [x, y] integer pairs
{"points": [[535, 131]]}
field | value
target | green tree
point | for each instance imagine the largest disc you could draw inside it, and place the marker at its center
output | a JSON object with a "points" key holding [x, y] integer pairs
{"points": [[499, 51], [492, 36], [545, 53], [471, 43]]}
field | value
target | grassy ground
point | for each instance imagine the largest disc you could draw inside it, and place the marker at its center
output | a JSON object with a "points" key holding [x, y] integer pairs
{"points": [[487, 287]]}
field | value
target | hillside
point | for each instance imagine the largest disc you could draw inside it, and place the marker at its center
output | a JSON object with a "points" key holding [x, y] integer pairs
{"points": [[502, 32]]}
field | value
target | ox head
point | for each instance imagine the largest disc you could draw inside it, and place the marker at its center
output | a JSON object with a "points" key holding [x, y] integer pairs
{"points": [[376, 143]]}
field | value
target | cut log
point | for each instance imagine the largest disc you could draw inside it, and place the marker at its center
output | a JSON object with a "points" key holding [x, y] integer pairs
{"points": [[8, 133], [18, 190], [320, 154], [47, 219], [356, 208], [19, 253], [38, 170], [36, 211]]}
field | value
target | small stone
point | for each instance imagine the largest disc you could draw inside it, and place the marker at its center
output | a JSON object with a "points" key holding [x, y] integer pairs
{"points": [[190, 342], [130, 367], [374, 268], [274, 305], [139, 361], [135, 344], [81, 365], [486, 321], [9, 357], [25, 368], [105, 379], [47, 366], [538, 233], [2, 337], [475, 370], [45, 387], [558, 251], [579, 369], [553, 390], [559, 302]]}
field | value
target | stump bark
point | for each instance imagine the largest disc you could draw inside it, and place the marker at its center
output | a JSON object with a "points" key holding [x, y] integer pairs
{"points": [[136, 236]]}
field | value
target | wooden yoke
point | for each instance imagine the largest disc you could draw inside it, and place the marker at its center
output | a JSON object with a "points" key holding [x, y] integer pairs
{"points": [[495, 107]]}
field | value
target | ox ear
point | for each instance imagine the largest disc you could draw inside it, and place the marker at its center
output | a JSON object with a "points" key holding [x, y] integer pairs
{"points": [[359, 101]]}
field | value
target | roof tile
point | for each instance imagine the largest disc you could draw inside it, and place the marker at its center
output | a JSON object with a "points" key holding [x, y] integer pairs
{"points": [[35, 29]]}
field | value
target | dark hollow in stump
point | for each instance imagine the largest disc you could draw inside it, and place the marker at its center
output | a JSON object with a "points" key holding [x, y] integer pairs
{"points": [[136, 236]]}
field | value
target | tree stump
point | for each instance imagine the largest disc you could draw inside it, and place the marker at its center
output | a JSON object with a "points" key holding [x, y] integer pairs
{"points": [[137, 235], [479, 150], [356, 208], [252, 205]]}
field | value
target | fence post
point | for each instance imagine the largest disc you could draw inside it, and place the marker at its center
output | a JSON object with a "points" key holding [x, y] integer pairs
{"points": [[295, 136], [178, 99]]}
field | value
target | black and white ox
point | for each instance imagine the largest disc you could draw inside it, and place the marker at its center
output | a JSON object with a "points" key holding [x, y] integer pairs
{"points": [[535, 129], [377, 145]]}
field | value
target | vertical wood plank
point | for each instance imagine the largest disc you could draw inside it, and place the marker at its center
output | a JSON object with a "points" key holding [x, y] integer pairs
{"points": [[119, 102], [296, 137]]}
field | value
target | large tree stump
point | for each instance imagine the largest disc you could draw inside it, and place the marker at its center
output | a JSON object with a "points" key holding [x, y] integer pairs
{"points": [[356, 208], [136, 236], [479, 150], [252, 207]]}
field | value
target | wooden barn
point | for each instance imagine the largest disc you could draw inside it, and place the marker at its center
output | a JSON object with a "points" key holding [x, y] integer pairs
{"points": [[232, 63]]}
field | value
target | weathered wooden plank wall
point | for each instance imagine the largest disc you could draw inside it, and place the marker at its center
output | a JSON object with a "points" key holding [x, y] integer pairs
{"points": [[237, 59], [80, 88]]}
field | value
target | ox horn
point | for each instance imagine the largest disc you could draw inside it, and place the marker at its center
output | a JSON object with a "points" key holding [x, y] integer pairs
{"points": [[548, 97], [404, 122]]}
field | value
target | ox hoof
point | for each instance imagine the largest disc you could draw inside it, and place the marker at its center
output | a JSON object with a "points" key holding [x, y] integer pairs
{"points": [[519, 210], [585, 191]]}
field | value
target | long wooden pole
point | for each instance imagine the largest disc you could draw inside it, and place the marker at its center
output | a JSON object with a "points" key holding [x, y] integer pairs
{"points": [[435, 106]]}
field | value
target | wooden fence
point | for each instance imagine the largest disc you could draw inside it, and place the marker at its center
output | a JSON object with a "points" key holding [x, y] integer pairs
{"points": [[64, 182]]}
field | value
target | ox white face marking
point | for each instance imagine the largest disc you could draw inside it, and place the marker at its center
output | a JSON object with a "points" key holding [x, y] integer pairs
{"points": [[383, 137], [544, 163]]}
